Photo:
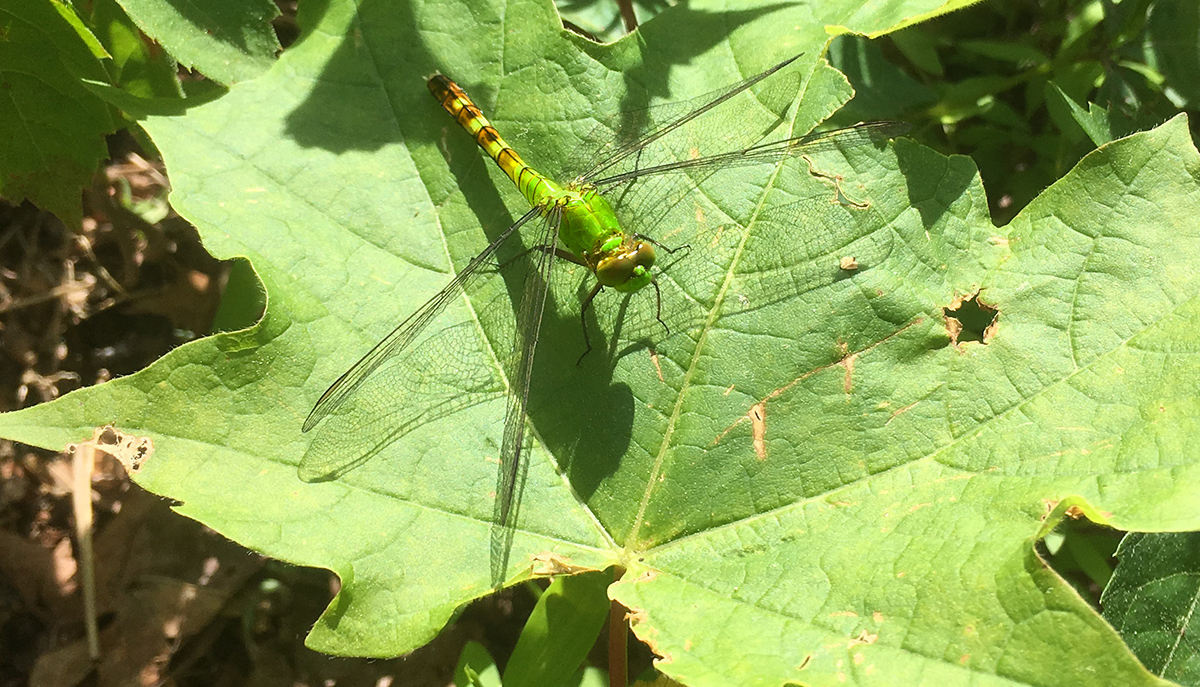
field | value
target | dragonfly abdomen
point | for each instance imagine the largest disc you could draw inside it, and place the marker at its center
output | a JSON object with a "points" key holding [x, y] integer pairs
{"points": [[534, 186]]}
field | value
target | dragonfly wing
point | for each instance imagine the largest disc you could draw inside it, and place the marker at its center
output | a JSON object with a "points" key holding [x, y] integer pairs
{"points": [[395, 342], [869, 133], [529, 322], [623, 151], [440, 375]]}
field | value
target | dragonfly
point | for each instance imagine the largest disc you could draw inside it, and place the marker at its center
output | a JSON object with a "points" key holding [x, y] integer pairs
{"points": [[573, 222]]}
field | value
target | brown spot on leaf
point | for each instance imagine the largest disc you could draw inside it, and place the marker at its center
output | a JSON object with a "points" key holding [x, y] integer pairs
{"points": [[757, 414], [848, 364], [550, 563], [657, 366], [839, 196], [758, 425], [1048, 506], [864, 637], [130, 451]]}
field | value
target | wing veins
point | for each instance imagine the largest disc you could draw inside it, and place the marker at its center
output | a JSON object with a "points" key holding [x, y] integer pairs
{"points": [[406, 331], [847, 137], [634, 146], [529, 322]]}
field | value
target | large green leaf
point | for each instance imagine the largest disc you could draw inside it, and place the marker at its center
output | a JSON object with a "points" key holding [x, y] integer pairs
{"points": [[904, 555], [806, 480]]}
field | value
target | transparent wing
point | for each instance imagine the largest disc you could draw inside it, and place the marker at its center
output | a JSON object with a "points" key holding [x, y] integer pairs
{"points": [[437, 376], [869, 133], [529, 321], [663, 183], [406, 332], [654, 124], [821, 200]]}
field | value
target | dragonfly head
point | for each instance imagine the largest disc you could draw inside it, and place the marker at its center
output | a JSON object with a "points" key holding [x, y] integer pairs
{"points": [[627, 268]]}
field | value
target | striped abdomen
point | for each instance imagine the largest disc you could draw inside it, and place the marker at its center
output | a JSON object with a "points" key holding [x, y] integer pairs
{"points": [[532, 185]]}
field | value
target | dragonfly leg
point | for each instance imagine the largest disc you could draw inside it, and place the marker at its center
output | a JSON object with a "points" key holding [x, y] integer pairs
{"points": [[587, 302], [658, 299], [564, 254], [656, 244]]}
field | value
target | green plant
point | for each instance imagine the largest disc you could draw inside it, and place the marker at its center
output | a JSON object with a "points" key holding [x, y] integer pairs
{"points": [[822, 487]]}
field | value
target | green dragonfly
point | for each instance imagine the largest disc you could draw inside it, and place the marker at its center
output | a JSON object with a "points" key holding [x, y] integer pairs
{"points": [[575, 222]]}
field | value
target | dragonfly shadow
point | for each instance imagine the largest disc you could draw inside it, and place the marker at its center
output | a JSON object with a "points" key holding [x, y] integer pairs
{"points": [[577, 413], [583, 416]]}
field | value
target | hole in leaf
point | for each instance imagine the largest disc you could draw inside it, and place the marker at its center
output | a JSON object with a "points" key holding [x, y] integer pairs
{"points": [[1082, 552], [970, 319]]}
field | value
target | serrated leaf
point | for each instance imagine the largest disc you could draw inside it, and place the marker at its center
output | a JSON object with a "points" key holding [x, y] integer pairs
{"points": [[141, 68], [1093, 121], [1086, 390], [226, 40]]}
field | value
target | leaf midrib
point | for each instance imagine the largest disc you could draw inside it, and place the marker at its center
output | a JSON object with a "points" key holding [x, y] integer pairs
{"points": [[709, 324]]}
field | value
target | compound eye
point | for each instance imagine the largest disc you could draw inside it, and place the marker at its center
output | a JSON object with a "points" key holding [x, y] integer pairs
{"points": [[643, 255], [615, 271]]}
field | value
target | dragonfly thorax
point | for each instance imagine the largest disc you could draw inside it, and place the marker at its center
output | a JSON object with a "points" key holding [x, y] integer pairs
{"points": [[589, 229]]}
